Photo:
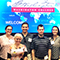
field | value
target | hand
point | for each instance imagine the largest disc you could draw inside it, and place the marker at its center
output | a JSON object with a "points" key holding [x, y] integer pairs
{"points": [[8, 59], [20, 53], [49, 59]]}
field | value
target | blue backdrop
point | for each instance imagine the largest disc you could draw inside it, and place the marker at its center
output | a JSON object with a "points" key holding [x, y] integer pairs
{"points": [[33, 18]]}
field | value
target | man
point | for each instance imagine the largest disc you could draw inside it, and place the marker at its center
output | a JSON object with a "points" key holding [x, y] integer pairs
{"points": [[27, 38], [41, 47]]}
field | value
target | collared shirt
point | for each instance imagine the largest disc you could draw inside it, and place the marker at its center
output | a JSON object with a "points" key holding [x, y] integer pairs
{"points": [[55, 47], [27, 41], [41, 46]]}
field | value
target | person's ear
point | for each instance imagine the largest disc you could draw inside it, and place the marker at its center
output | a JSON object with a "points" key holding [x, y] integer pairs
{"points": [[21, 27], [28, 27], [37, 29]]}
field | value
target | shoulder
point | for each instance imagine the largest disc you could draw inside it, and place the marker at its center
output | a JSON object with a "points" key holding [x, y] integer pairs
{"points": [[12, 46], [12, 37], [35, 38], [46, 38], [29, 34], [22, 45], [58, 38], [2, 37]]}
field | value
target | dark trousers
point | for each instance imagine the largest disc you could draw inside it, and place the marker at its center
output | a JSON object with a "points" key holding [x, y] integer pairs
{"points": [[1, 58], [54, 59]]}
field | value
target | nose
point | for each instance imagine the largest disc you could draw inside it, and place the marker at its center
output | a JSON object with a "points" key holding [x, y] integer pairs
{"points": [[25, 28], [18, 40]]}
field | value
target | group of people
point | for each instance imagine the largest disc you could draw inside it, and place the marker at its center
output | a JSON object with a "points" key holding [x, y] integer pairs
{"points": [[24, 46]]}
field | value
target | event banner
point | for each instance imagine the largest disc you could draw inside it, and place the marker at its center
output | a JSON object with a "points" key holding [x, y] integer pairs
{"points": [[33, 5], [34, 12]]}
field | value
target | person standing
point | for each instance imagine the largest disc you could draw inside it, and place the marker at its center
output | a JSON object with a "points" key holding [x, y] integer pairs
{"points": [[27, 38], [41, 46], [5, 41], [18, 50], [55, 42]]}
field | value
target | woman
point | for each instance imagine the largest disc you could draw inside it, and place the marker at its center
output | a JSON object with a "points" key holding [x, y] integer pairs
{"points": [[55, 42], [5, 42], [18, 50]]}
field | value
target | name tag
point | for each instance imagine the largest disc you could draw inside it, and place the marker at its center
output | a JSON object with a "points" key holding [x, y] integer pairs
{"points": [[30, 39], [46, 57], [52, 42]]}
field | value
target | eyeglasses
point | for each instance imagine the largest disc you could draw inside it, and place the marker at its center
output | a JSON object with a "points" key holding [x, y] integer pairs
{"points": [[18, 39], [9, 29], [55, 30]]}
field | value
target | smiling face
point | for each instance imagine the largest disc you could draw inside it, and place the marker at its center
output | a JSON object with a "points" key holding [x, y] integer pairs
{"points": [[17, 40], [8, 30], [55, 30], [25, 28]]}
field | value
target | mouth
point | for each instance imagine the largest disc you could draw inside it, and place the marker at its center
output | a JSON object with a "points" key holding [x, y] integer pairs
{"points": [[17, 41], [54, 32], [24, 29], [9, 32], [41, 32]]}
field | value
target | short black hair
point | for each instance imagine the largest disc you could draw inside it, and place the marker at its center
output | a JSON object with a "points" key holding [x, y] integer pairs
{"points": [[40, 25], [25, 23], [8, 26], [57, 28]]}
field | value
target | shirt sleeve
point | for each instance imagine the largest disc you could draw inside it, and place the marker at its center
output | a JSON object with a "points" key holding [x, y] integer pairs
{"points": [[25, 54], [49, 45], [0, 43], [0, 40], [9, 55], [59, 42], [32, 45]]}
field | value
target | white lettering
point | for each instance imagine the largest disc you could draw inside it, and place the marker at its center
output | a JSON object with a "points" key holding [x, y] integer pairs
{"points": [[13, 22]]}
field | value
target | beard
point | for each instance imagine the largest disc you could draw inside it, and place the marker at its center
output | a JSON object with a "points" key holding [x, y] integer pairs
{"points": [[24, 32], [41, 34]]}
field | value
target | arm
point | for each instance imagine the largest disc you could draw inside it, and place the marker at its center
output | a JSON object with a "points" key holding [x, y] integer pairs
{"points": [[8, 59], [49, 50], [25, 53], [8, 54], [17, 53], [49, 54], [33, 49], [0, 44], [33, 54], [25, 58]]}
